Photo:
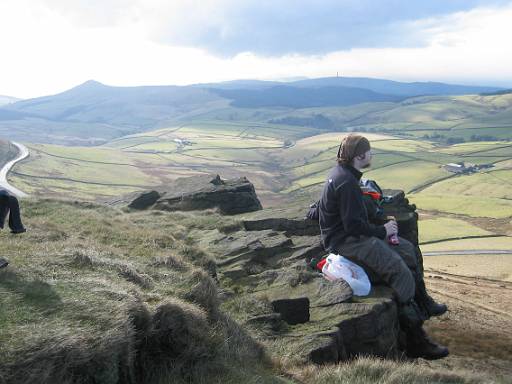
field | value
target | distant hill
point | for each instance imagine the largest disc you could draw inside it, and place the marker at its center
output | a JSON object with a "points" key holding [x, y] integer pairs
{"points": [[502, 92], [93, 113], [382, 86], [8, 100], [140, 107], [395, 87], [293, 97]]}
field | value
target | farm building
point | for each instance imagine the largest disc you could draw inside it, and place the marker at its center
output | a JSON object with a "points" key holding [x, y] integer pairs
{"points": [[455, 167]]}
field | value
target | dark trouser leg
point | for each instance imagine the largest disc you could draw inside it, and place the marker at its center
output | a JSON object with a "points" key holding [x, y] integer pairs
{"points": [[422, 298], [4, 207], [378, 258], [14, 216], [397, 266], [413, 258]]}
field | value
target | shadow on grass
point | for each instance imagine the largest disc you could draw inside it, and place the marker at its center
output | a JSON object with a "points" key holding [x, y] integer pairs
{"points": [[35, 292]]}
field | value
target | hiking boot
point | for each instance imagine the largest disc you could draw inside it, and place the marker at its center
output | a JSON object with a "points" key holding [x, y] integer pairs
{"points": [[425, 302], [3, 263], [420, 345], [433, 308]]}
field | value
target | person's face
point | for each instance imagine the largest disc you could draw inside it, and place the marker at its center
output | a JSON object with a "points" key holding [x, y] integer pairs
{"points": [[366, 159]]}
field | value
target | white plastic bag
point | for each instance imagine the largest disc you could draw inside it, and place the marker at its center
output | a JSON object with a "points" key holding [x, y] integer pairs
{"points": [[338, 267]]}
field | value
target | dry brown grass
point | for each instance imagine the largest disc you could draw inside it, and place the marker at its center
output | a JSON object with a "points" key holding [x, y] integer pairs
{"points": [[378, 371], [97, 295]]}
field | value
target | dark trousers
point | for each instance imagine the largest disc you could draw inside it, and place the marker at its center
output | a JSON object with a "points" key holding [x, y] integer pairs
{"points": [[9, 205], [396, 265]]}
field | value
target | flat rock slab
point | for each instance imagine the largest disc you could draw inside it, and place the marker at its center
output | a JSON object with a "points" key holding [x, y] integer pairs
{"points": [[200, 192]]}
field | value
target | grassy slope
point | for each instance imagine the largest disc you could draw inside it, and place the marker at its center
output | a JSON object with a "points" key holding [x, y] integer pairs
{"points": [[103, 289], [91, 289]]}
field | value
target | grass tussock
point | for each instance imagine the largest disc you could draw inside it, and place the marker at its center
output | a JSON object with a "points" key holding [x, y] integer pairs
{"points": [[366, 370], [204, 293]]}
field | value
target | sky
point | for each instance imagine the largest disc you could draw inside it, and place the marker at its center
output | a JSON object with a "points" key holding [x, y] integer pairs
{"points": [[48, 46]]}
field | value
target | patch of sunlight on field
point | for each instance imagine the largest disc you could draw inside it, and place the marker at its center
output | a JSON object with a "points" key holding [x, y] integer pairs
{"points": [[463, 148], [489, 266], [95, 154], [194, 160], [475, 206], [69, 190], [319, 147], [487, 243], [406, 176], [194, 130], [159, 146], [128, 142], [42, 165], [333, 138], [403, 145], [227, 154], [504, 164], [504, 151], [325, 161], [446, 228], [234, 143], [312, 168], [318, 178], [497, 184]]}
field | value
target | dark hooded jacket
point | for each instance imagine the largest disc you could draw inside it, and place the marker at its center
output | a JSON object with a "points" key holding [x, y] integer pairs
{"points": [[342, 211]]}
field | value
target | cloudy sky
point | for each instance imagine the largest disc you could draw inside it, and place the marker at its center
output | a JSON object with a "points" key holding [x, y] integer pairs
{"points": [[48, 46]]}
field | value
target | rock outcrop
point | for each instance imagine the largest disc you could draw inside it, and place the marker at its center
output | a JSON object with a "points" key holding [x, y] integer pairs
{"points": [[201, 192], [316, 320]]}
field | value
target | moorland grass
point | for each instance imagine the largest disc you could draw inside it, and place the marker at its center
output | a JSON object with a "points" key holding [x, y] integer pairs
{"points": [[94, 294], [370, 370]]}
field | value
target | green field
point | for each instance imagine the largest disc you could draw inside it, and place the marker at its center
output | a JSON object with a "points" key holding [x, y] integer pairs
{"points": [[447, 228], [479, 206], [492, 243], [290, 163]]}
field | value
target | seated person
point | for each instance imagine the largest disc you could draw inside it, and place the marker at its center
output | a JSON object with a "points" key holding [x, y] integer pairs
{"points": [[9, 205], [346, 231]]}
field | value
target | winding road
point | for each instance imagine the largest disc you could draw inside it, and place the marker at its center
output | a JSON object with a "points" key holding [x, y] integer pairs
{"points": [[7, 167]]}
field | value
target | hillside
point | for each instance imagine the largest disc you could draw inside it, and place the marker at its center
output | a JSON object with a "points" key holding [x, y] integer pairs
{"points": [[93, 113], [99, 287]]}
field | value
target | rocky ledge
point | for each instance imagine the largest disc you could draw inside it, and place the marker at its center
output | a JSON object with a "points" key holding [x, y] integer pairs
{"points": [[200, 192], [263, 265]]}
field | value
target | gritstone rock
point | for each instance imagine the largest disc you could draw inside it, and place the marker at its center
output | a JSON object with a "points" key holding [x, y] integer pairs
{"points": [[230, 197]]}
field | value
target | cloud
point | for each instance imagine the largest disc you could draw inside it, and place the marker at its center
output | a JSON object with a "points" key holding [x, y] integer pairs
{"points": [[48, 46], [267, 27], [276, 28]]}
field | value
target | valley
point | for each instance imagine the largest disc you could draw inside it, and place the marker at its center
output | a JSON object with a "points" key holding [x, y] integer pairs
{"points": [[76, 177]]}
